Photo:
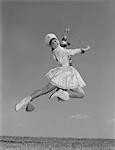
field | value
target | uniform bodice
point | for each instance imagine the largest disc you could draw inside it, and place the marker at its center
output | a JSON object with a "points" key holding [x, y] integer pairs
{"points": [[62, 56]]}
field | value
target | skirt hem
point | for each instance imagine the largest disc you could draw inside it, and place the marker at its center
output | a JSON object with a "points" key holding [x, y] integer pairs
{"points": [[65, 77], [62, 87]]}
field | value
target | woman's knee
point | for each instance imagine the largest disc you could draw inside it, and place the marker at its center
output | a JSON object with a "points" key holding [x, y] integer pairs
{"points": [[82, 94], [78, 93]]}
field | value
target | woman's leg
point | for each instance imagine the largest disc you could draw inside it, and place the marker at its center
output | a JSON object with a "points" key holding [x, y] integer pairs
{"points": [[61, 94], [48, 88], [64, 95], [76, 93]]}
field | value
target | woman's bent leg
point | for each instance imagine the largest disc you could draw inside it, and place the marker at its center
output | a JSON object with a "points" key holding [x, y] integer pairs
{"points": [[76, 93]]}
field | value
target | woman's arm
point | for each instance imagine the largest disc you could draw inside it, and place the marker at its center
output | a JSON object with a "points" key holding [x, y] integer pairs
{"points": [[78, 50], [64, 42]]}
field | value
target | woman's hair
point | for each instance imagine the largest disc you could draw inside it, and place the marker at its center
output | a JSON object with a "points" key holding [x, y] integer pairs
{"points": [[51, 41]]}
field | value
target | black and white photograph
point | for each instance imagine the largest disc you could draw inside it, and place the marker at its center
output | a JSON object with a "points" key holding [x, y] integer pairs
{"points": [[57, 75]]}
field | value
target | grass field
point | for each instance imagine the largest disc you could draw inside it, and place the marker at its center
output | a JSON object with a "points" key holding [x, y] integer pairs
{"points": [[41, 143]]}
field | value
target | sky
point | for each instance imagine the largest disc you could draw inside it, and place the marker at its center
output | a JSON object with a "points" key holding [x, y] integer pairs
{"points": [[25, 59]]}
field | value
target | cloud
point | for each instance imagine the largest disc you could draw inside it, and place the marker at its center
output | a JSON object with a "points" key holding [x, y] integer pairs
{"points": [[111, 120], [79, 116], [20, 124]]}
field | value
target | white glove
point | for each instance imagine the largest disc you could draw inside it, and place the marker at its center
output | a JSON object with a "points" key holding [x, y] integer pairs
{"points": [[67, 30]]}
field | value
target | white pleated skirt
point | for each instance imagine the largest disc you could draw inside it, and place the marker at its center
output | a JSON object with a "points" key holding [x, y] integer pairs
{"points": [[66, 77]]}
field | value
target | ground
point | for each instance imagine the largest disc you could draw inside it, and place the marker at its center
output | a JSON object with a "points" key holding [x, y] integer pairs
{"points": [[42, 143]]}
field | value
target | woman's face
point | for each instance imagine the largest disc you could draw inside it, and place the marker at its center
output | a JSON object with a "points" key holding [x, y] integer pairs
{"points": [[54, 43]]}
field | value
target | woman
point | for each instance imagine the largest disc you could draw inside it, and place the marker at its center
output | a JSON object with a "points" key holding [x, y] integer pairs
{"points": [[65, 79]]}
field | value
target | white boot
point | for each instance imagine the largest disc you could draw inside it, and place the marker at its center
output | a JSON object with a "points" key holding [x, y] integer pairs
{"points": [[23, 102], [64, 95]]}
